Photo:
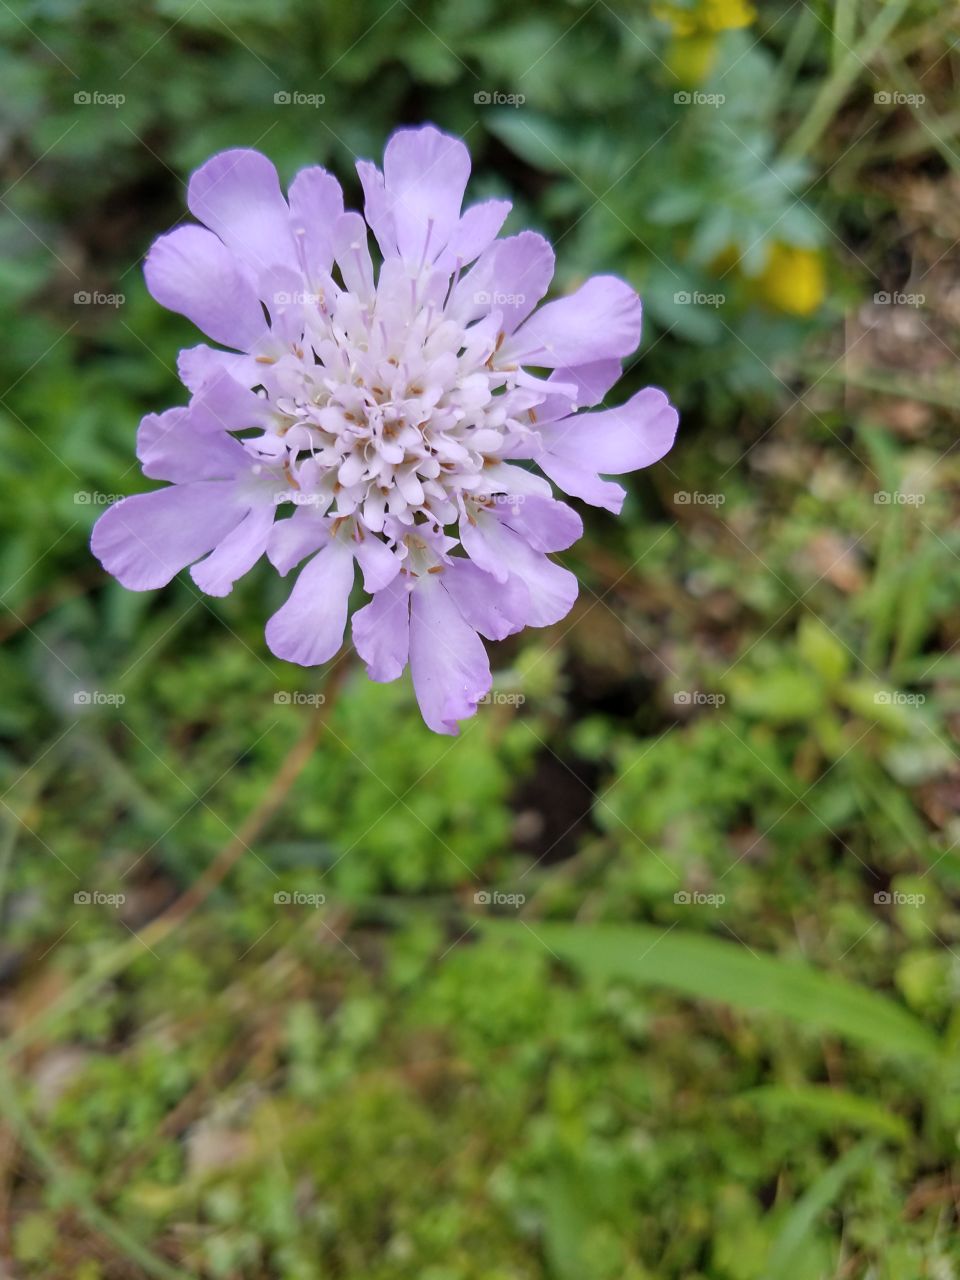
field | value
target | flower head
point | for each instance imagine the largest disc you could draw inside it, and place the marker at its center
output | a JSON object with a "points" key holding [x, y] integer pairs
{"points": [[388, 419]]}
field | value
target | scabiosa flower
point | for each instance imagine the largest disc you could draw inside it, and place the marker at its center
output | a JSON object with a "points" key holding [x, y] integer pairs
{"points": [[384, 419]]}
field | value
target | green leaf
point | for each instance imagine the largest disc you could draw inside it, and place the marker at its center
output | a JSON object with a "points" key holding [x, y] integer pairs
{"points": [[709, 969], [532, 137], [779, 696], [828, 1107], [821, 650], [886, 707], [802, 1218]]}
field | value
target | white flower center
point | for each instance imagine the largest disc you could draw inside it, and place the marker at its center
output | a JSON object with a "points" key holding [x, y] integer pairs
{"points": [[388, 406]]}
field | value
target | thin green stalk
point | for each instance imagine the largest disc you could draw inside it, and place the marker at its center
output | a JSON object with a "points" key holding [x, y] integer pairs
{"points": [[838, 84]]}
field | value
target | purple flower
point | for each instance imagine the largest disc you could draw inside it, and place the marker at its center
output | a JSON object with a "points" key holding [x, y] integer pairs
{"points": [[396, 414]]}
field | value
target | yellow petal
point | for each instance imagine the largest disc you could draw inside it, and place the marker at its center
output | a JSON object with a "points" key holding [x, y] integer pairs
{"points": [[793, 280], [727, 15]]}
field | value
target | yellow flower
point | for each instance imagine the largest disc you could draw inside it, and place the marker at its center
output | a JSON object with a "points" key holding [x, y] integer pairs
{"points": [[693, 49], [705, 17], [726, 15], [793, 280]]}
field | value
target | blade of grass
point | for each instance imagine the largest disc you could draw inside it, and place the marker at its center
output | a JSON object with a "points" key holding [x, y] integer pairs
{"points": [[706, 968], [832, 1108], [906, 388], [844, 29], [844, 76], [802, 1217], [798, 45]]}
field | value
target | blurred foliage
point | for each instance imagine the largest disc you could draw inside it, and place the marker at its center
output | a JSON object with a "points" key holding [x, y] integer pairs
{"points": [[653, 971]]}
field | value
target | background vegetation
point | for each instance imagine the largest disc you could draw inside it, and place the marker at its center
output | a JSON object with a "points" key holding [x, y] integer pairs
{"points": [[650, 974]]}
